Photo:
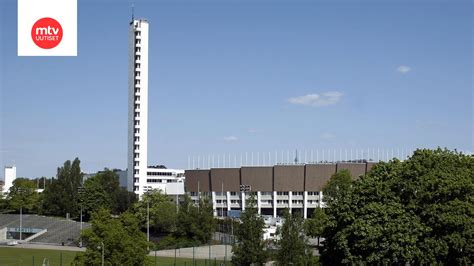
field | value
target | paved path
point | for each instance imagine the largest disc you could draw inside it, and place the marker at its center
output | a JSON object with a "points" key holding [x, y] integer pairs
{"points": [[202, 252], [49, 247]]}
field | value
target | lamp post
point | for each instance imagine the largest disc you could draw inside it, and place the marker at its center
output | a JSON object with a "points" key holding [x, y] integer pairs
{"points": [[148, 223], [21, 221], [21, 190], [81, 193]]}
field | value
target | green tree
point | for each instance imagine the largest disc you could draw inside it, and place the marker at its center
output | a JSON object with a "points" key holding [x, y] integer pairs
{"points": [[419, 211], [61, 196], [163, 212], [293, 248], [101, 191], [249, 247], [23, 194], [339, 183], [125, 200], [119, 238], [314, 227], [195, 223]]}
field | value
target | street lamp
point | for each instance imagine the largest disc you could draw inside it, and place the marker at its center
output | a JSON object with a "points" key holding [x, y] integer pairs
{"points": [[21, 190], [102, 247], [148, 222], [81, 191]]}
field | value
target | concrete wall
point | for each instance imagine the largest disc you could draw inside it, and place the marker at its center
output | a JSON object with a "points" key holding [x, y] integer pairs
{"points": [[309, 177]]}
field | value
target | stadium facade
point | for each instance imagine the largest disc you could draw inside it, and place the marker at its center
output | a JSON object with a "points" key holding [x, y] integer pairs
{"points": [[297, 187]]}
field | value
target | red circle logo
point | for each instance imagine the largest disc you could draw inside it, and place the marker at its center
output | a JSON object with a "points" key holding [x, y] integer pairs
{"points": [[47, 33]]}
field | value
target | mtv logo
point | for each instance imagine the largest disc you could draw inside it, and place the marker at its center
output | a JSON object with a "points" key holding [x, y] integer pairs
{"points": [[47, 27]]}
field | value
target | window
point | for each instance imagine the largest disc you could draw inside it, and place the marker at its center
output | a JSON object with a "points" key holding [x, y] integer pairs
{"points": [[137, 90], [137, 130], [136, 147], [137, 33], [137, 114], [135, 188], [136, 171], [137, 57], [135, 180], [137, 106], [137, 65], [137, 49], [137, 122], [136, 163], [233, 193], [137, 82], [137, 98], [136, 155], [137, 138], [137, 41]]}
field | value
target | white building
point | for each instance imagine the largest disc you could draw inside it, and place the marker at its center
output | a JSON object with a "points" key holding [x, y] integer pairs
{"points": [[138, 106], [10, 175], [142, 178], [170, 181]]}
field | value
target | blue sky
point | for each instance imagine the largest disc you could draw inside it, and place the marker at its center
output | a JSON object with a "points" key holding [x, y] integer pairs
{"points": [[237, 76]]}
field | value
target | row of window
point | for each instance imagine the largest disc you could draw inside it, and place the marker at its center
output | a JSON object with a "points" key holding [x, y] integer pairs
{"points": [[159, 173], [161, 181], [234, 193]]}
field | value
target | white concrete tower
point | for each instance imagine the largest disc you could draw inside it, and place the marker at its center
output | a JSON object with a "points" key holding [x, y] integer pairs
{"points": [[10, 176], [138, 105]]}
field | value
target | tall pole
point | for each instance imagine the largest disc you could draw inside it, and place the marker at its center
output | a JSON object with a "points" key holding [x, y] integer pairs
{"points": [[21, 220], [148, 221], [80, 243]]}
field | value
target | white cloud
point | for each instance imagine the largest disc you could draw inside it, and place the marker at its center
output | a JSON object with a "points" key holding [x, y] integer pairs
{"points": [[404, 69], [314, 99], [230, 138], [328, 136], [253, 130]]}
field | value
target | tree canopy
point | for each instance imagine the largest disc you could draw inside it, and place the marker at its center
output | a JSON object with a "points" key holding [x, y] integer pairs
{"points": [[293, 248], [103, 191], [163, 212], [419, 211], [61, 196], [195, 223], [249, 247], [314, 226], [120, 238], [23, 195]]}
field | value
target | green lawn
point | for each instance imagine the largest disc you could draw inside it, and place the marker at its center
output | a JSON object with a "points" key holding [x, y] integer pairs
{"points": [[23, 256]]}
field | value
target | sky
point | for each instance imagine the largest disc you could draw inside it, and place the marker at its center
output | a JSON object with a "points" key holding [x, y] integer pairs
{"points": [[242, 76]]}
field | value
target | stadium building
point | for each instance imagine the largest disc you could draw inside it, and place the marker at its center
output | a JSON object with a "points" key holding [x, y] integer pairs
{"points": [[293, 186]]}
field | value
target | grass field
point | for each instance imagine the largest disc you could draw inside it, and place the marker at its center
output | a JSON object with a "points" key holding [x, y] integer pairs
{"points": [[23, 256]]}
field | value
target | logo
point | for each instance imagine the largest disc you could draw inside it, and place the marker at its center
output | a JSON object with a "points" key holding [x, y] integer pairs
{"points": [[47, 33]]}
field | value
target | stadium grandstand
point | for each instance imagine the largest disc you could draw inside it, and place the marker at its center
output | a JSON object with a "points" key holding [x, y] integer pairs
{"points": [[40, 229]]}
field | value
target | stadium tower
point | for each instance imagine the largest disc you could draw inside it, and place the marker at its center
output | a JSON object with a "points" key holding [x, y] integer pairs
{"points": [[138, 105]]}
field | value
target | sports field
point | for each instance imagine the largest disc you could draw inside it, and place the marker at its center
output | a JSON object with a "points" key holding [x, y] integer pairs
{"points": [[21, 256]]}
